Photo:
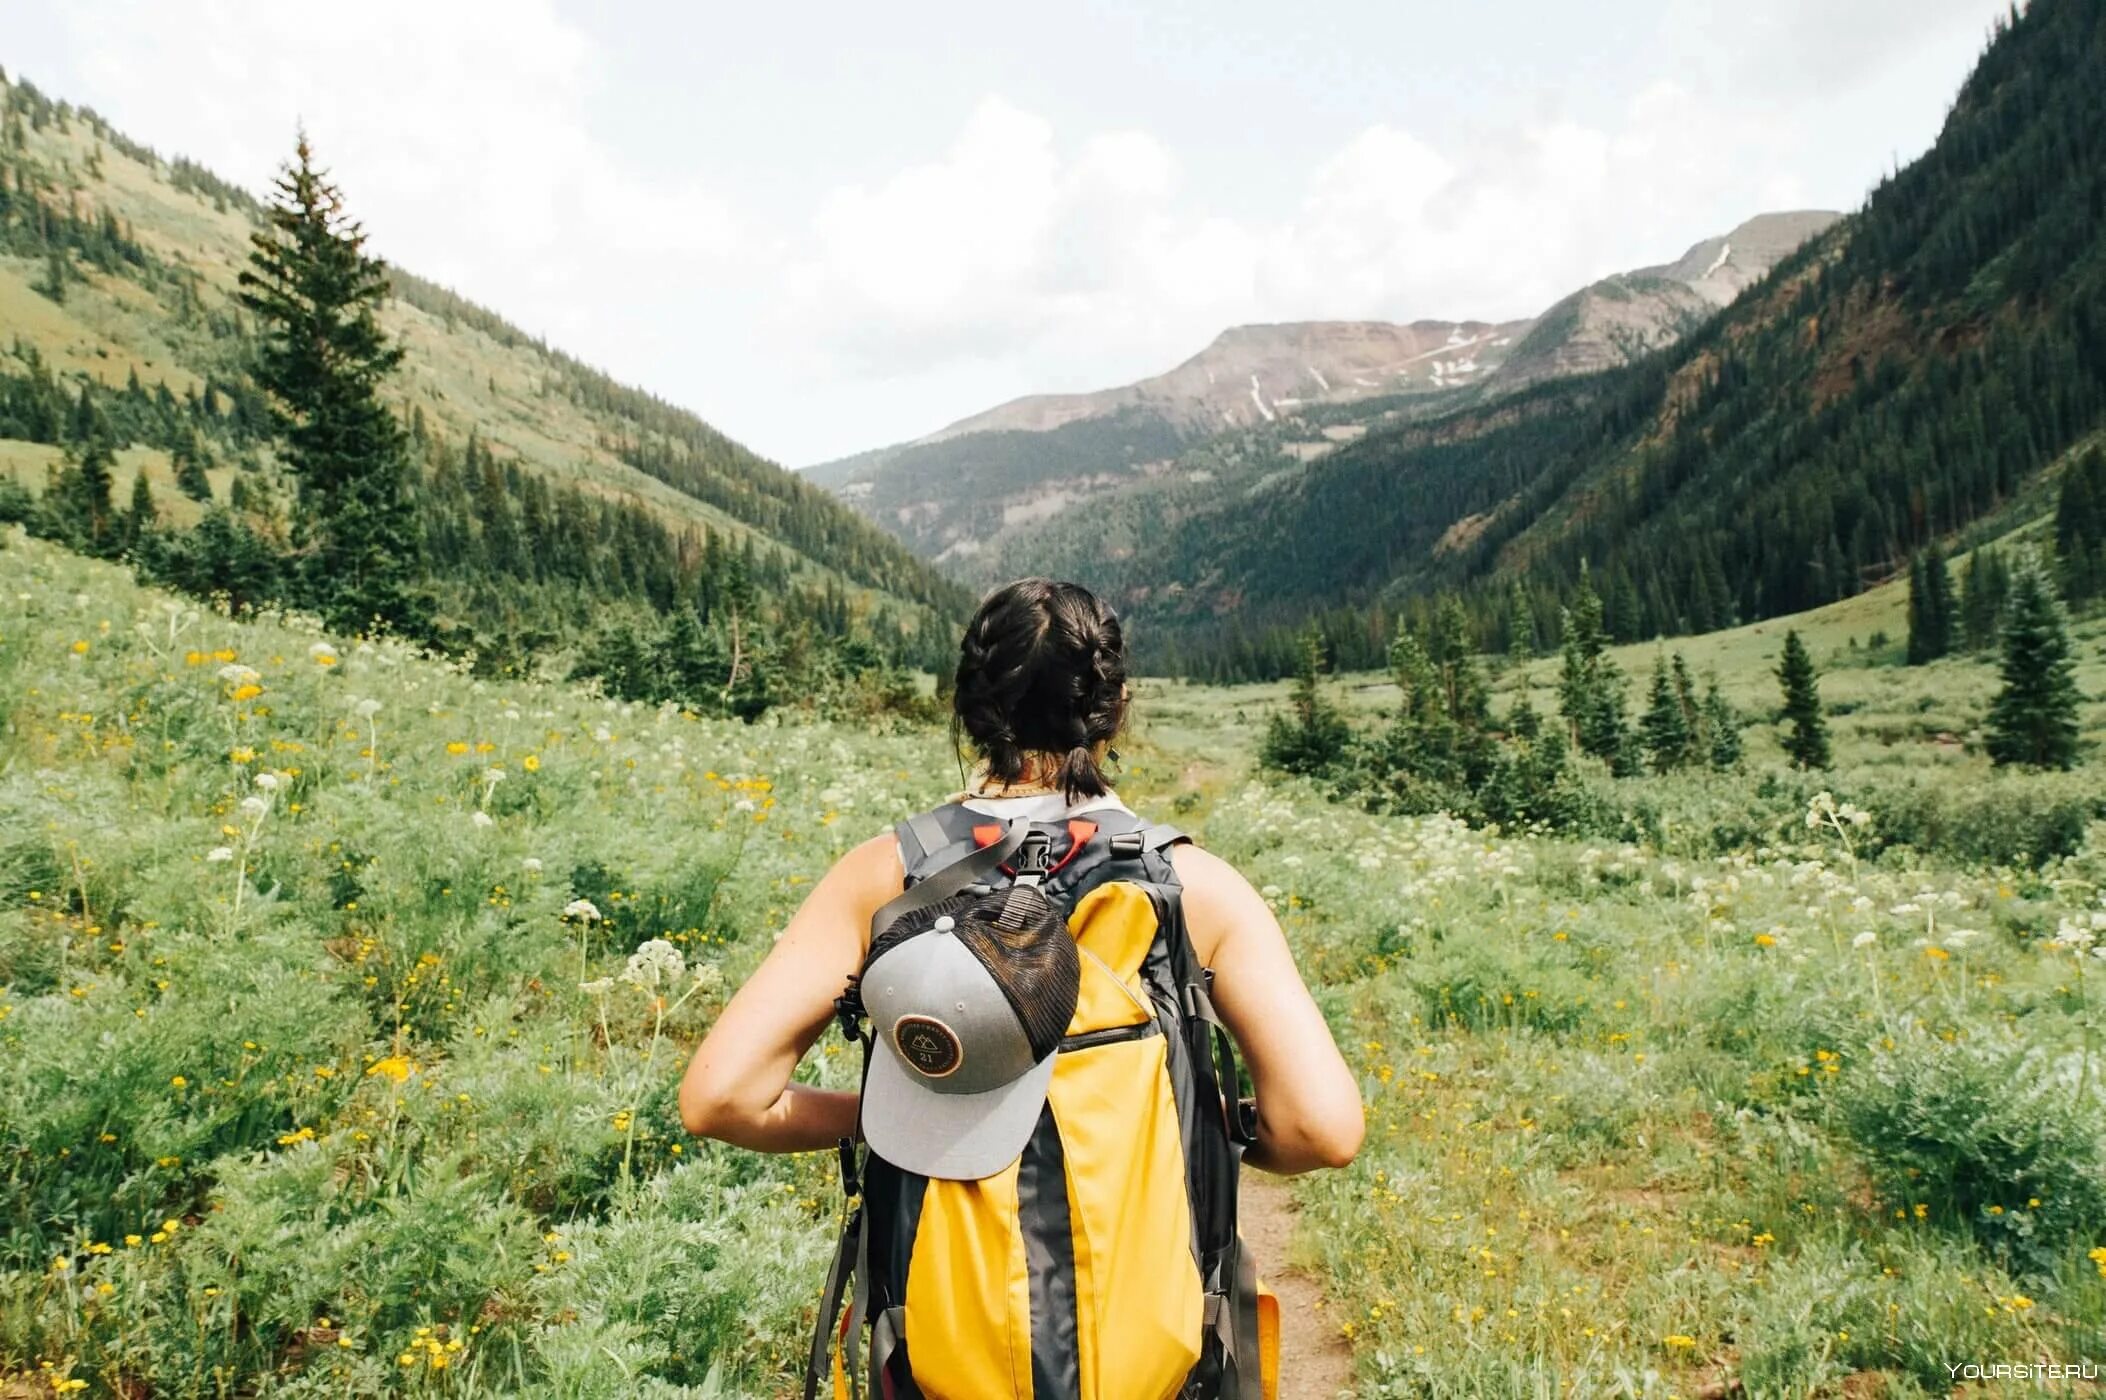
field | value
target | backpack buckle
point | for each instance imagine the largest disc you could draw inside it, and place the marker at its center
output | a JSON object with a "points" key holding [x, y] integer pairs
{"points": [[1127, 844], [848, 1009], [1035, 859], [851, 1180]]}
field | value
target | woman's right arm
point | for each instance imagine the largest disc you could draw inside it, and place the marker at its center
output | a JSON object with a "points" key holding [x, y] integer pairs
{"points": [[1309, 1109], [738, 1087]]}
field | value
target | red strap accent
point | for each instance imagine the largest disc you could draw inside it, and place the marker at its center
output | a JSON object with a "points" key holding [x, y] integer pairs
{"points": [[987, 834], [1080, 830]]}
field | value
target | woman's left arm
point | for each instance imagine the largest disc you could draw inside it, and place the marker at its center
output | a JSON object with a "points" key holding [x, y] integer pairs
{"points": [[737, 1088]]}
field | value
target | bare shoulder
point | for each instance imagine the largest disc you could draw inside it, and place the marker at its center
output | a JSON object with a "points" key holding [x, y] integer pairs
{"points": [[855, 886], [1218, 899], [872, 869]]}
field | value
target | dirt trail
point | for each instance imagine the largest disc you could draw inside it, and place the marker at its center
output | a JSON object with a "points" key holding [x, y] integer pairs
{"points": [[1315, 1363]]}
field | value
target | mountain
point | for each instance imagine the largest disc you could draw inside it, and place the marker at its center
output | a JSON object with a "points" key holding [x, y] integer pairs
{"points": [[1909, 374], [975, 495], [1619, 318], [551, 494]]}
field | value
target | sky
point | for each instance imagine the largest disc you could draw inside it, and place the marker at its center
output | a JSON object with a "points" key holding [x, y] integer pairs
{"points": [[829, 227]]}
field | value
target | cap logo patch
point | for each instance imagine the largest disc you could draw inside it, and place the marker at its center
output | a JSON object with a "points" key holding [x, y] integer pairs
{"points": [[928, 1045]]}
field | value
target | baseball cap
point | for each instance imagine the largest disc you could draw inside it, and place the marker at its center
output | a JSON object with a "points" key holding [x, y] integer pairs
{"points": [[968, 1000]]}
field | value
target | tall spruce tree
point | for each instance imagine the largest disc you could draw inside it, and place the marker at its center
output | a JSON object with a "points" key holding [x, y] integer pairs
{"points": [[1590, 684], [1520, 623], [2033, 719], [1721, 729], [79, 508], [323, 358], [1670, 736], [1807, 739], [188, 458], [2080, 528], [140, 518], [1312, 736], [1987, 584], [1933, 614]]}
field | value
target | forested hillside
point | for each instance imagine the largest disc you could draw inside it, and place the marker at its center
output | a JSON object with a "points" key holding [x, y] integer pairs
{"points": [[1907, 374], [1058, 483], [564, 512]]}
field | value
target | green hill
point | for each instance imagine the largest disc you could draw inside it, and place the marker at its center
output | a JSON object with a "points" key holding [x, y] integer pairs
{"points": [[555, 499]]}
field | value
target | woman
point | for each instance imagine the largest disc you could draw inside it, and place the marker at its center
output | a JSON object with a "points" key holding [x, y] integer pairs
{"points": [[1041, 693]]}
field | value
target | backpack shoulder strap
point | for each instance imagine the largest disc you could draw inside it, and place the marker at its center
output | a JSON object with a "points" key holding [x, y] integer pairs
{"points": [[920, 836]]}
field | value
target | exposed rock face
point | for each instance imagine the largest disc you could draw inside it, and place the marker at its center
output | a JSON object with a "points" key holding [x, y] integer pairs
{"points": [[1622, 317], [1253, 374]]}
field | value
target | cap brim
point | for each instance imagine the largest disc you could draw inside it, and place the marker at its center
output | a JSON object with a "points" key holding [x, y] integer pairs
{"points": [[958, 1137]]}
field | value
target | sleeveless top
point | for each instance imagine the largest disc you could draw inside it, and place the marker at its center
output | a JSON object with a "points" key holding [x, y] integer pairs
{"points": [[1038, 806]]}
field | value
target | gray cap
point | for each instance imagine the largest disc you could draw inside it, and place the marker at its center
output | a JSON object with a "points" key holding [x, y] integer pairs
{"points": [[955, 1090]]}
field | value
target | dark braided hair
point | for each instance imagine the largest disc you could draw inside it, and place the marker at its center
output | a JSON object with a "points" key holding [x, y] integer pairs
{"points": [[1042, 668]]}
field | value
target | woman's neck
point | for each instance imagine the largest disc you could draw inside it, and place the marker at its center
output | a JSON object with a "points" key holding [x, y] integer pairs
{"points": [[1036, 778]]}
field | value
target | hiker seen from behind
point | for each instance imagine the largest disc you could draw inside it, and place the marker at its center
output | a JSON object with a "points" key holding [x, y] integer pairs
{"points": [[1076, 1025]]}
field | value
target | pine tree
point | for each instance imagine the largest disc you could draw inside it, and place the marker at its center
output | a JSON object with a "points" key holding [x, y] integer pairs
{"points": [[1721, 729], [140, 518], [1590, 685], [1807, 742], [2080, 528], [322, 360], [2033, 719], [54, 283], [1520, 623], [1987, 584], [1670, 741], [1312, 735], [1465, 695], [78, 508], [1932, 612], [188, 459]]}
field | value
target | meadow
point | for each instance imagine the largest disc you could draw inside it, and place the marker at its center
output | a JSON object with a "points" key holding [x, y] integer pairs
{"points": [[343, 997]]}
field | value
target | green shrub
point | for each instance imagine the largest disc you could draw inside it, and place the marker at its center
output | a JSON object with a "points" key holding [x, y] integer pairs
{"points": [[1984, 1134]]}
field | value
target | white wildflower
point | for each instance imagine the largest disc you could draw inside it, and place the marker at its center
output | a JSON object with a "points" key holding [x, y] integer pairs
{"points": [[598, 986], [267, 781], [583, 910], [654, 962], [483, 820], [366, 709], [255, 807], [1865, 939], [531, 865], [493, 775], [2071, 934], [220, 855]]}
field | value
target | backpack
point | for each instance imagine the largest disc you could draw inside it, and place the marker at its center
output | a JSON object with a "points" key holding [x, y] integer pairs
{"points": [[1104, 1263]]}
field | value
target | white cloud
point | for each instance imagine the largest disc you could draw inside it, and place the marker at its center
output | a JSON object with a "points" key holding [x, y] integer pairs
{"points": [[1086, 266], [457, 130], [836, 303]]}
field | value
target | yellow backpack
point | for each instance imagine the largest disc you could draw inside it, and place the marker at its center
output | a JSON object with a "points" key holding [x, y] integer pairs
{"points": [[1104, 1262]]}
